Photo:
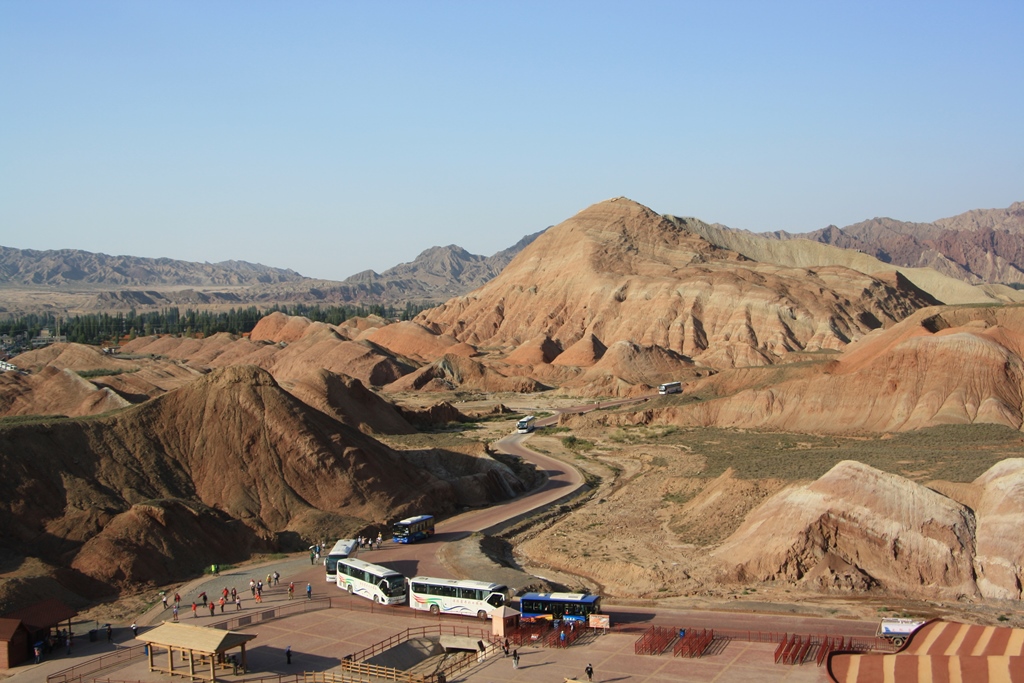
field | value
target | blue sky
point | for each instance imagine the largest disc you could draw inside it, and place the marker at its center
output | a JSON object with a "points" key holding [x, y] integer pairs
{"points": [[332, 137]]}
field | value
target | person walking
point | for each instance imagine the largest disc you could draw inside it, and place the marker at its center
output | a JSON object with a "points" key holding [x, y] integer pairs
{"points": [[590, 672], [309, 591], [222, 601], [135, 630], [233, 593], [174, 612], [277, 578], [213, 608], [177, 599], [238, 603], [515, 659], [110, 634], [504, 648], [203, 596], [252, 587], [163, 596], [194, 608], [291, 590], [288, 654]]}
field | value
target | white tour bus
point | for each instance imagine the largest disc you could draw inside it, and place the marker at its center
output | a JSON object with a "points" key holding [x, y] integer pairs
{"points": [[371, 581], [342, 549], [451, 596], [670, 388], [526, 425]]}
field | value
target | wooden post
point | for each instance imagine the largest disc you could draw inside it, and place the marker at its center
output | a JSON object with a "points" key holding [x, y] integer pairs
{"points": [[170, 659], [191, 665], [149, 652], [213, 669]]}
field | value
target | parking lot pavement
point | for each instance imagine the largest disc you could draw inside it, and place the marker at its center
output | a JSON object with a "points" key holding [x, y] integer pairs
{"points": [[319, 640]]}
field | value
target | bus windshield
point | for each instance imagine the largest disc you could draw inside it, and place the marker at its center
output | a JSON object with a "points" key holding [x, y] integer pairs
{"points": [[393, 586]]}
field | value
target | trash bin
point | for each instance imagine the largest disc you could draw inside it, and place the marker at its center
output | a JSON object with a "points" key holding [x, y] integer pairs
{"points": [[92, 635]]}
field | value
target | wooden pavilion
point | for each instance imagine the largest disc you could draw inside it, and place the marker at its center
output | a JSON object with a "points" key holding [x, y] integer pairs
{"points": [[202, 650]]}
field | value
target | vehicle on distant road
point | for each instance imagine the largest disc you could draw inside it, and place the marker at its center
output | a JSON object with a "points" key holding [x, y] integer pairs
{"points": [[670, 388], [526, 425]]}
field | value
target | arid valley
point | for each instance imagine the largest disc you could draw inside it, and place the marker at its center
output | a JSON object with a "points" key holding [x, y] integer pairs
{"points": [[846, 442]]}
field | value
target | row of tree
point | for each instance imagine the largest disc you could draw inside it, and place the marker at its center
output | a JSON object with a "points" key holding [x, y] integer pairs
{"points": [[97, 328]]}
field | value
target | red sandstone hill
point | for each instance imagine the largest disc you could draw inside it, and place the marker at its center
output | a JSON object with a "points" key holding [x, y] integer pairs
{"points": [[206, 473], [858, 528], [618, 271], [944, 365]]}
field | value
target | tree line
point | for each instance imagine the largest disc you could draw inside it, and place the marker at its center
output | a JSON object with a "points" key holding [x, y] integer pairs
{"points": [[97, 328]]}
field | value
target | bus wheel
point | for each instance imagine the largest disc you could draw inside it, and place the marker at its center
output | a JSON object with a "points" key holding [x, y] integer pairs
{"points": [[434, 609], [350, 591], [898, 642], [481, 614]]}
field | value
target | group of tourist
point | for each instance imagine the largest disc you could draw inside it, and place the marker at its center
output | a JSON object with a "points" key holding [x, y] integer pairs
{"points": [[367, 542]]}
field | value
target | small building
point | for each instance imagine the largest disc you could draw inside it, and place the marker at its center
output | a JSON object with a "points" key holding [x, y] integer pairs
{"points": [[37, 620], [14, 643]]}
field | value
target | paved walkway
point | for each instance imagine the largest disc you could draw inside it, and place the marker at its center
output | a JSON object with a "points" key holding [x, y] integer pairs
{"points": [[319, 640]]}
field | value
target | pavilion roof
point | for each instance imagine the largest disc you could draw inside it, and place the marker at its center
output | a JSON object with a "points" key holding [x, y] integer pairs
{"points": [[195, 638]]}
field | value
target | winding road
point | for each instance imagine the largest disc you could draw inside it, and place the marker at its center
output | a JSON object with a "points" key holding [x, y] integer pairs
{"points": [[562, 481]]}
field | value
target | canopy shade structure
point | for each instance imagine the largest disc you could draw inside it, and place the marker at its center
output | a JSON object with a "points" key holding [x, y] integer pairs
{"points": [[197, 645]]}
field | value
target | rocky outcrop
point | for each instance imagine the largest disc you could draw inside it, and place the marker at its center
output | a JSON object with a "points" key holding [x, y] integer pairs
{"points": [[410, 340], [959, 365], [456, 372], [536, 351], [854, 528], [55, 392], [233, 441], [620, 272], [999, 562]]}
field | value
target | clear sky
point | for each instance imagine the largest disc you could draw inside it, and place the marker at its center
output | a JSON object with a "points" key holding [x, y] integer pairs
{"points": [[332, 137]]}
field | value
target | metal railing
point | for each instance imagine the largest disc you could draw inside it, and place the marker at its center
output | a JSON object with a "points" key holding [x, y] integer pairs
{"points": [[256, 616], [356, 666], [91, 667]]}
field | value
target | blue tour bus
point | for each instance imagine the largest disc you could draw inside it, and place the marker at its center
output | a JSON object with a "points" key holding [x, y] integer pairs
{"points": [[413, 529], [567, 606]]}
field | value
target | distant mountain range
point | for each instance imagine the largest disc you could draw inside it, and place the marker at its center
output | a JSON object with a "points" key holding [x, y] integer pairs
{"points": [[69, 267], [980, 246], [97, 282], [983, 246]]}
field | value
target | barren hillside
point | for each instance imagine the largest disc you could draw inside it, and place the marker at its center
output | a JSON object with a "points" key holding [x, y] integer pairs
{"points": [[620, 272]]}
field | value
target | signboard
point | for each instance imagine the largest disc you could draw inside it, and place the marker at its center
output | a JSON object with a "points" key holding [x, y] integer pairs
{"points": [[600, 621]]}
